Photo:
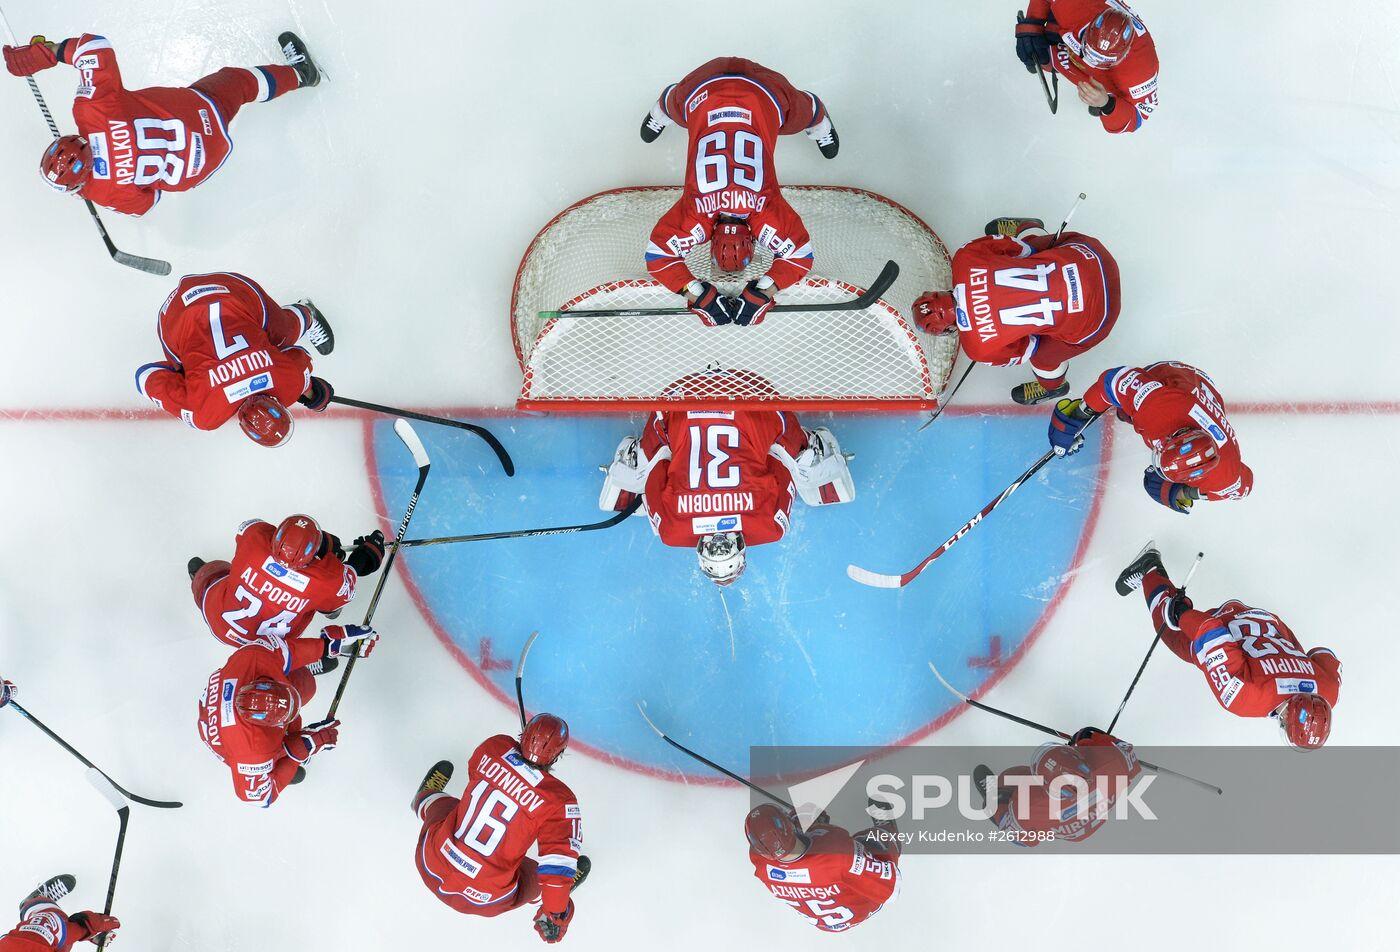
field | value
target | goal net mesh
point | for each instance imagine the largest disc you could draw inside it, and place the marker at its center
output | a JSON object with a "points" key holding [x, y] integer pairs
{"points": [[591, 257]]}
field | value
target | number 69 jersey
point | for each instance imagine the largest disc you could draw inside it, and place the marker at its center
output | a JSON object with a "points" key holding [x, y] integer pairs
{"points": [[1011, 291], [476, 851], [144, 141], [839, 883], [263, 602]]}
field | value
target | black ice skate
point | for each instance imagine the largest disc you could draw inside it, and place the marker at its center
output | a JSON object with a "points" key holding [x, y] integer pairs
{"points": [[581, 871], [824, 135], [434, 781], [193, 566], [980, 775], [294, 51], [653, 124], [52, 889], [1029, 394], [1012, 227], [319, 333], [323, 666], [1148, 560]]}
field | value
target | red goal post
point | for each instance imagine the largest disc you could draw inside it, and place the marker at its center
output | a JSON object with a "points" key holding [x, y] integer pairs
{"points": [[591, 256]]}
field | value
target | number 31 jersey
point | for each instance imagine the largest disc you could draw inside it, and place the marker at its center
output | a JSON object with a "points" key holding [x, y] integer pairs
{"points": [[144, 141]]}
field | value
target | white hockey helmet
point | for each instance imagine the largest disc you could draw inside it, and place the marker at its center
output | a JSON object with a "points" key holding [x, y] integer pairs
{"points": [[721, 556]]}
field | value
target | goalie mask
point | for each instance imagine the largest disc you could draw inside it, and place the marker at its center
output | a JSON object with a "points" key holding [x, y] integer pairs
{"points": [[721, 556]]}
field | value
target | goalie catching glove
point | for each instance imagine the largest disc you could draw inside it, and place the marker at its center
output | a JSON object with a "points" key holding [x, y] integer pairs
{"points": [[627, 474]]}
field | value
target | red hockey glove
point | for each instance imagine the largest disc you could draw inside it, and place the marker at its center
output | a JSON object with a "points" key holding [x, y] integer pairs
{"points": [[552, 925], [317, 396], [751, 306], [708, 304], [341, 639], [7, 691], [91, 925], [28, 60], [320, 736], [368, 554]]}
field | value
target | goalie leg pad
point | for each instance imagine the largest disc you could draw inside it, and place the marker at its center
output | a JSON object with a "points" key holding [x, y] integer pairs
{"points": [[820, 471], [626, 477]]}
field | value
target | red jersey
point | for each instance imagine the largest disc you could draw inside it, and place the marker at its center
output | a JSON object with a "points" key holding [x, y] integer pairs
{"points": [[1109, 767], [1012, 292], [255, 754], [144, 141], [44, 929], [839, 883], [213, 328], [1162, 398], [1253, 662], [475, 851], [734, 119], [718, 475], [1132, 83], [262, 601]]}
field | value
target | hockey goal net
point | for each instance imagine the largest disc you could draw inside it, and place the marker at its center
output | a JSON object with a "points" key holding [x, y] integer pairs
{"points": [[591, 257]]}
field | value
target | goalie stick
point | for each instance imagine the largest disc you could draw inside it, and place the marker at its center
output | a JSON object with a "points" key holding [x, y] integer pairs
{"points": [[641, 709], [159, 804], [877, 580], [105, 787], [420, 457], [520, 676], [864, 299], [148, 265], [506, 463], [608, 523], [1153, 647], [1164, 771]]}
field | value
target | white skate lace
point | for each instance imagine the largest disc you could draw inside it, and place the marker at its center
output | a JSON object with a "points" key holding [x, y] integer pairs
{"points": [[54, 891], [289, 52], [316, 333]]}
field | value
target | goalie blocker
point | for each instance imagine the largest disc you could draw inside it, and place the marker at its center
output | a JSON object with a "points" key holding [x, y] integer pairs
{"points": [[721, 481]]}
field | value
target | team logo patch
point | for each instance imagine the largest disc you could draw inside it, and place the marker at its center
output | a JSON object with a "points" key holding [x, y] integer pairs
{"points": [[709, 525], [204, 118], [729, 114], [285, 576], [696, 100]]}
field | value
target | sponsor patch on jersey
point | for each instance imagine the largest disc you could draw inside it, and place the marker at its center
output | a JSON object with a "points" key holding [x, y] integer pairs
{"points": [[572, 812], [226, 715], [680, 245], [781, 247], [204, 118], [857, 858], [729, 114], [710, 415], [1073, 287], [1217, 434], [197, 155], [288, 577], [1232, 689], [1143, 392], [461, 860], [347, 587], [238, 392], [46, 925], [1295, 685], [1215, 657], [86, 62], [960, 307], [694, 102], [255, 770], [1142, 89], [101, 167], [781, 518], [201, 290], [708, 525], [519, 765], [779, 875]]}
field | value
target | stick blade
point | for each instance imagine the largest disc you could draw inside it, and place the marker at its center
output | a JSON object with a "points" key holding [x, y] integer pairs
{"points": [[944, 681], [102, 785], [410, 439], [641, 709], [148, 265], [873, 579], [525, 653]]}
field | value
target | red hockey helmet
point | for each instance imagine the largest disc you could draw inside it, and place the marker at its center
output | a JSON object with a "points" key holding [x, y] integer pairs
{"points": [[1305, 720], [67, 164], [1062, 760], [544, 739], [731, 244], [936, 312], [264, 420], [296, 541], [1107, 39], [1186, 455], [265, 702], [771, 832]]}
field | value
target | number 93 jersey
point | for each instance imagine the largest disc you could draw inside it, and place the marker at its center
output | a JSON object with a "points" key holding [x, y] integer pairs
{"points": [[720, 476], [839, 883], [144, 141]]}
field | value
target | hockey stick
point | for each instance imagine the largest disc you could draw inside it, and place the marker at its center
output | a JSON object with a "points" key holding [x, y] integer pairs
{"points": [[617, 518], [864, 299], [1152, 647], [1056, 733], [710, 763], [877, 580], [420, 457], [943, 404], [1053, 102], [506, 463], [148, 265], [520, 676], [104, 786], [1072, 209], [160, 804]]}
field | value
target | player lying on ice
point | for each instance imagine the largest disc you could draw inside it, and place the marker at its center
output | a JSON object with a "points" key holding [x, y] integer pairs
{"points": [[1101, 47], [720, 481], [43, 926], [278, 579], [1177, 411], [134, 144], [1079, 783], [250, 713], [471, 851], [1021, 298], [233, 351], [1253, 663], [734, 110], [835, 879]]}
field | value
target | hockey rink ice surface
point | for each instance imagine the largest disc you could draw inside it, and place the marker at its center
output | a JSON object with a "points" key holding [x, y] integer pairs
{"points": [[1251, 219]]}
